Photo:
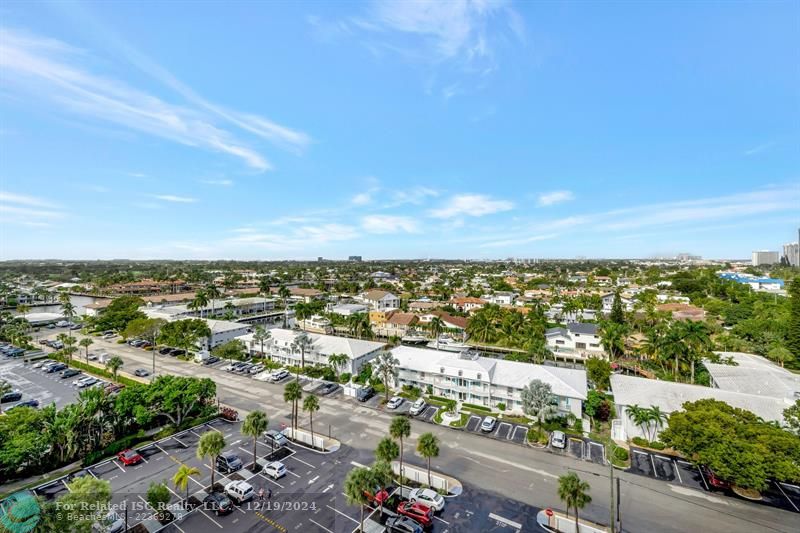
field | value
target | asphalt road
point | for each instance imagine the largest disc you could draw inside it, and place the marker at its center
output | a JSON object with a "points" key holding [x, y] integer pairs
{"points": [[507, 470]]}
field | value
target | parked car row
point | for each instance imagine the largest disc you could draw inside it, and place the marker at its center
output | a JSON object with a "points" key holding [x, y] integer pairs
{"points": [[413, 515], [9, 350], [65, 372], [243, 367], [172, 352]]}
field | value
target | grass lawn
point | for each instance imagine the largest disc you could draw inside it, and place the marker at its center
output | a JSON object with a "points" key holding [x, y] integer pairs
{"points": [[460, 423]]}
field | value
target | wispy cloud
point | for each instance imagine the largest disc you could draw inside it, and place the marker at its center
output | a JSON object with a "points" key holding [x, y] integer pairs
{"points": [[759, 148], [297, 238], [175, 199], [51, 70], [220, 183], [414, 196], [26, 210], [554, 197], [471, 205], [383, 224], [362, 198]]}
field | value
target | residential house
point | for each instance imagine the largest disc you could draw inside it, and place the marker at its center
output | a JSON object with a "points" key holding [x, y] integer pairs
{"points": [[681, 311], [468, 304], [348, 309], [398, 324], [608, 302], [450, 322], [753, 374], [423, 305], [380, 300], [467, 377], [500, 297], [578, 339]]}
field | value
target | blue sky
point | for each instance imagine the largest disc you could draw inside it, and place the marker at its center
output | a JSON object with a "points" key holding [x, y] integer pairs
{"points": [[398, 130]]}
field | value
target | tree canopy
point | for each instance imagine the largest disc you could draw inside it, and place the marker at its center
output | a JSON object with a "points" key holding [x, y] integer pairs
{"points": [[119, 313], [184, 333]]}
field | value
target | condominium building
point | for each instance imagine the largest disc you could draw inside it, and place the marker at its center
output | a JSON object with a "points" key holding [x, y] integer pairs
{"points": [[467, 377], [765, 257], [791, 251], [281, 347]]}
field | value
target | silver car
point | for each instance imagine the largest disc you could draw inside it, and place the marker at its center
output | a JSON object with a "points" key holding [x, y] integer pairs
{"points": [[558, 440]]}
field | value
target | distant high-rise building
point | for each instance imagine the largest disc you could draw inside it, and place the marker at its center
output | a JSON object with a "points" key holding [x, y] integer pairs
{"points": [[356, 258], [320, 259], [791, 251], [764, 257], [688, 257]]}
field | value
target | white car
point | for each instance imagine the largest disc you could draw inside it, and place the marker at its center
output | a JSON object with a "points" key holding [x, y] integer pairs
{"points": [[418, 407], [40, 363], [239, 491], [85, 382], [395, 402], [228, 367], [488, 424], [275, 470], [278, 375], [255, 369], [427, 497], [558, 439]]}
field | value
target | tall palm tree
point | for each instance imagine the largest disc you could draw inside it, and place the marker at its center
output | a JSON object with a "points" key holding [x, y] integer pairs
{"points": [[262, 335], [284, 293], [68, 310], [357, 484], [181, 478], [293, 393], [255, 423], [69, 348], [199, 302], [400, 428], [337, 361], [113, 365], [613, 338], [428, 448], [574, 493], [381, 476], [85, 343], [300, 344], [311, 406], [657, 418], [696, 339], [436, 326], [212, 292], [641, 417], [386, 366], [387, 450], [211, 445]]}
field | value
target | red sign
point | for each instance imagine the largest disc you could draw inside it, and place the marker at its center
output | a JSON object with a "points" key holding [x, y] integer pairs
{"points": [[548, 512]]}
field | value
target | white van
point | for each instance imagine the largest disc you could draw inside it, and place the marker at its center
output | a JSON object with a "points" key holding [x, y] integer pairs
{"points": [[239, 491], [275, 470]]}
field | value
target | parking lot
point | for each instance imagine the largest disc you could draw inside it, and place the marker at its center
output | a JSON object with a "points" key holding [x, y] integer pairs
{"points": [[677, 471], [582, 448], [37, 385]]}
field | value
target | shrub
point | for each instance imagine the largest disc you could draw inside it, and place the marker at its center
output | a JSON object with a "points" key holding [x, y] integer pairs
{"points": [[476, 407], [439, 398], [620, 454], [578, 426], [639, 441], [120, 341], [115, 447], [656, 445], [345, 377], [158, 497], [501, 406]]}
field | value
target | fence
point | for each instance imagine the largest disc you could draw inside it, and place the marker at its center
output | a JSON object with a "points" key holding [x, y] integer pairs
{"points": [[420, 475]]}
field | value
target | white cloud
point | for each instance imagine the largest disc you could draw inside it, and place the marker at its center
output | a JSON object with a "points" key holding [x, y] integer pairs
{"points": [[414, 196], [473, 205], [48, 70], [758, 149], [175, 199], [25, 210], [23, 199], [382, 224], [220, 183], [554, 197], [362, 198]]}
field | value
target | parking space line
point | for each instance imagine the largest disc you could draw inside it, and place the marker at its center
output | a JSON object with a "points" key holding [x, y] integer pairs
{"points": [[705, 484], [320, 525], [92, 473], [653, 462], [341, 513], [785, 496], [160, 448], [678, 471], [179, 442], [305, 463], [65, 485], [202, 512], [271, 480], [117, 465], [441, 520], [506, 521]]}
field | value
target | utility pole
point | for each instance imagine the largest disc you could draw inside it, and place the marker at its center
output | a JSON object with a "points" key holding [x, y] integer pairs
{"points": [[612, 521], [619, 516]]}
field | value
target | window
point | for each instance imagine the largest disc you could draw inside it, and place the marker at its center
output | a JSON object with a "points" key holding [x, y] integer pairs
{"points": [[559, 342], [441, 370], [479, 376], [460, 373]]}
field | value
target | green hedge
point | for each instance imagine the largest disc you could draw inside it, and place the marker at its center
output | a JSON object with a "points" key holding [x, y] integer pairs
{"points": [[620, 454], [97, 371], [639, 441], [656, 445], [115, 447], [476, 407], [439, 398]]}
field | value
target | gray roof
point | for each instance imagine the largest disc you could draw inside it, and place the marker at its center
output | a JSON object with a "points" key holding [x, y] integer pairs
{"points": [[754, 374], [582, 328], [555, 331]]}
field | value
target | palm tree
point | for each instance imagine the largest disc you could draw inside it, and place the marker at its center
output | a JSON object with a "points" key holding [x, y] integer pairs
{"points": [[113, 365], [69, 348], [337, 361], [293, 393], [23, 309], [613, 338], [657, 417], [311, 406], [428, 447], [357, 484], [199, 302], [436, 326], [68, 311], [399, 429], [574, 493], [641, 417], [382, 476], [302, 343], [181, 478], [212, 292], [386, 366], [85, 343], [284, 293], [695, 337], [211, 445], [261, 336], [387, 450], [255, 423]]}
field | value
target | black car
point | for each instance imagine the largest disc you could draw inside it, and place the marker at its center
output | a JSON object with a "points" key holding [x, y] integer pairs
{"points": [[13, 396], [403, 524], [176, 352], [365, 394], [27, 403], [165, 350], [217, 502], [211, 360], [70, 372], [56, 368], [327, 388], [228, 462]]}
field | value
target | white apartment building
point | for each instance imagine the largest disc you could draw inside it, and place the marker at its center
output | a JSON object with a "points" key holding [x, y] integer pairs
{"points": [[576, 340], [791, 251], [467, 377], [238, 306], [500, 298], [765, 257], [280, 348], [348, 309], [222, 331]]}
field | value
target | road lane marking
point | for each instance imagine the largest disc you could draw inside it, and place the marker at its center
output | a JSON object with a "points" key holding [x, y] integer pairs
{"points": [[341, 513], [202, 512], [305, 463], [320, 525]]}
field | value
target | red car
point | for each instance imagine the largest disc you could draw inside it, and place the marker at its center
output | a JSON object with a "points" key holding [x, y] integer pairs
{"points": [[419, 512], [130, 457], [379, 498], [715, 481]]}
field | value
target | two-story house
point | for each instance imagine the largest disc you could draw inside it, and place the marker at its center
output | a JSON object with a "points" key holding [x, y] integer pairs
{"points": [[380, 300], [576, 340]]}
